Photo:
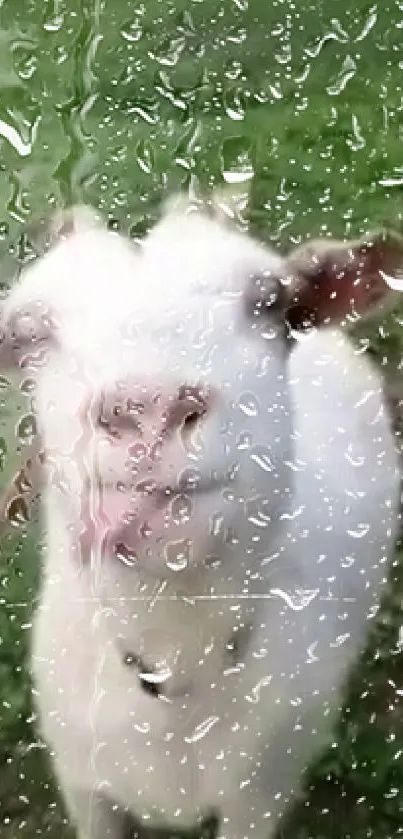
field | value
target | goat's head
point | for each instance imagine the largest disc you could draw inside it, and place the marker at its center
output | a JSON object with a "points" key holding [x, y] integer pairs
{"points": [[162, 392]]}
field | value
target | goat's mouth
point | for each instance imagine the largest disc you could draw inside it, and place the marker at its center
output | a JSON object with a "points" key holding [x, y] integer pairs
{"points": [[115, 507], [159, 493]]}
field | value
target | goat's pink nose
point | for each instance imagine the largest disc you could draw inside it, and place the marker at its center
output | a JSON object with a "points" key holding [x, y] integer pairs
{"points": [[152, 412]]}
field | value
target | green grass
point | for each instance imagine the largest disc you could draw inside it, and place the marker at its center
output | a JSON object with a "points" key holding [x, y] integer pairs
{"points": [[117, 109]]}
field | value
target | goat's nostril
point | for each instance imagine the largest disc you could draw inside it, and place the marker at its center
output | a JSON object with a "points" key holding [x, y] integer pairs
{"points": [[150, 687], [151, 681], [191, 420]]}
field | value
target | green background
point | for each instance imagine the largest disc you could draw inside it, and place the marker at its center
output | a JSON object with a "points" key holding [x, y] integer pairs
{"points": [[119, 103]]}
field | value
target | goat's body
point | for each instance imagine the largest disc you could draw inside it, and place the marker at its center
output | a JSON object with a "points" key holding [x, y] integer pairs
{"points": [[241, 743]]}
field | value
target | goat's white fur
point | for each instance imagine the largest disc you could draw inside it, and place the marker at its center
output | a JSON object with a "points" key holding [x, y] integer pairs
{"points": [[304, 570]]}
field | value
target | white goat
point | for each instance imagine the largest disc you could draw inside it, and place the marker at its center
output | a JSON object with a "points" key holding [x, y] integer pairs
{"points": [[220, 506]]}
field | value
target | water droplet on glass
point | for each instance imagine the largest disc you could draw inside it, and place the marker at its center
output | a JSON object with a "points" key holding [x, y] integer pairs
{"points": [[132, 30], [178, 554], [169, 51], [202, 729], [27, 386], [258, 512], [27, 429], [236, 160], [189, 479], [249, 404], [357, 141], [25, 63], [145, 156], [358, 460], [368, 25], [254, 696], [53, 23], [234, 103], [262, 456], [125, 554], [346, 73], [347, 562], [181, 509], [217, 525], [244, 441], [17, 511], [360, 531]]}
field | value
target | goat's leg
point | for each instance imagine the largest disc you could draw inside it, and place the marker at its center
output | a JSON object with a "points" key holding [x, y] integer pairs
{"points": [[94, 816]]}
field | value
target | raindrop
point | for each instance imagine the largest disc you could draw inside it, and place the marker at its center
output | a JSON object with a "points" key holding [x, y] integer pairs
{"points": [[262, 456], [234, 104], [236, 160], [5, 383], [181, 509], [132, 30], [248, 404], [217, 525], [255, 694], [25, 63], [258, 512], [358, 460], [187, 144], [202, 729], [347, 562], [53, 23], [368, 25], [340, 35], [169, 51], [147, 109], [22, 139], [26, 428], [244, 441], [145, 156], [178, 554], [346, 73], [358, 141], [28, 386], [189, 479], [125, 554], [17, 511], [362, 530], [233, 69]]}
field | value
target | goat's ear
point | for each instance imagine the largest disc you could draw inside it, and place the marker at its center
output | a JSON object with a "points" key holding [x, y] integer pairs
{"points": [[28, 328], [332, 282]]}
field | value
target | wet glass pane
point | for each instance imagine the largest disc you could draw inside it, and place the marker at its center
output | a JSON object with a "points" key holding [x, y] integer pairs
{"points": [[297, 105]]}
